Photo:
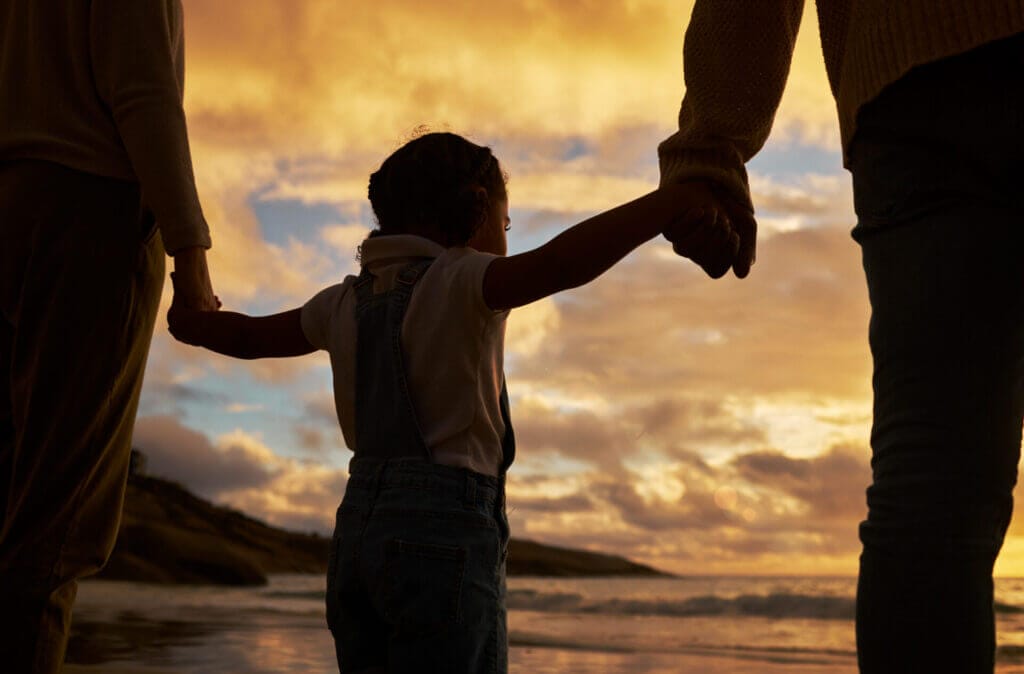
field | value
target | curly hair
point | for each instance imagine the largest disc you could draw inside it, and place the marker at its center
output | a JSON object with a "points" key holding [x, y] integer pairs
{"points": [[432, 182]]}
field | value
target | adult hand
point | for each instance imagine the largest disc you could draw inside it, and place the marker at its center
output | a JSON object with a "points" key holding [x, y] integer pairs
{"points": [[191, 280], [715, 230]]}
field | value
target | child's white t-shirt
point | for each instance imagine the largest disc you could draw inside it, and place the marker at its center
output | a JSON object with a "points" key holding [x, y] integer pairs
{"points": [[452, 343]]}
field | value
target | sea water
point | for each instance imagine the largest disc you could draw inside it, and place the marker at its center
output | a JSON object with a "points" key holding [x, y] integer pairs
{"points": [[556, 626]]}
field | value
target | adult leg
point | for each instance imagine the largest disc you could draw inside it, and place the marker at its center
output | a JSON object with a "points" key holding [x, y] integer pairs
{"points": [[947, 344], [942, 229], [82, 309]]}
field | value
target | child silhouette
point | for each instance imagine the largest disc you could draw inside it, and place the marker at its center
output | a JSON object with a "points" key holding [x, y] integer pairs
{"points": [[416, 578]]}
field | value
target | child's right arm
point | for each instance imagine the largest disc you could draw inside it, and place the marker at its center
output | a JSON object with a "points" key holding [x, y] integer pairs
{"points": [[239, 335], [585, 251]]}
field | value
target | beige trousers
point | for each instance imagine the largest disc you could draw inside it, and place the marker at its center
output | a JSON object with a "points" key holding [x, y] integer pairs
{"points": [[81, 269]]}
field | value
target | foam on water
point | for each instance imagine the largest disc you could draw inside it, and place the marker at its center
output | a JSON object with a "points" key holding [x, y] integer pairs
{"points": [[281, 627]]}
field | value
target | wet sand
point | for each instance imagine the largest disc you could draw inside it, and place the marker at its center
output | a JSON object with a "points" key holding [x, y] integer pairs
{"points": [[128, 644], [528, 660]]}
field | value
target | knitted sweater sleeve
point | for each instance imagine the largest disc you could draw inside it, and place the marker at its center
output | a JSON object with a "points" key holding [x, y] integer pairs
{"points": [[137, 49], [736, 58]]}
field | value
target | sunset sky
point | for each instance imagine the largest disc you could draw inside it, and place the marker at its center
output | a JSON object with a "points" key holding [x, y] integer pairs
{"points": [[700, 426]]}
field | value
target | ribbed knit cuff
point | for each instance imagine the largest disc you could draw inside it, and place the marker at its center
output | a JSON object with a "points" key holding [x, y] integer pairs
{"points": [[680, 163]]}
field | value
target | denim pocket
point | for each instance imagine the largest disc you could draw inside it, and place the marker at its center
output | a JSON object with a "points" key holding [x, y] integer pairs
{"points": [[424, 582]]}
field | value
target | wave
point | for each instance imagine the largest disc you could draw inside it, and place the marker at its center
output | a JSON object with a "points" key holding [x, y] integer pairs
{"points": [[777, 605]]}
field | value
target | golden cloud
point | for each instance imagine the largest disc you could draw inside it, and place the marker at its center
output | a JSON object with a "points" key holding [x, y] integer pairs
{"points": [[653, 366]]}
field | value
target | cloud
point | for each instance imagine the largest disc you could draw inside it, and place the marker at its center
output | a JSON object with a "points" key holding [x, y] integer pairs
{"points": [[310, 437], [239, 470], [696, 509], [643, 403], [574, 503], [655, 326], [831, 486], [181, 454], [762, 510], [810, 201], [243, 408], [304, 497], [319, 407]]}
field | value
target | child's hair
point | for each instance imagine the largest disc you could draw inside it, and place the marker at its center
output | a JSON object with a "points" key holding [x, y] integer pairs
{"points": [[432, 184]]}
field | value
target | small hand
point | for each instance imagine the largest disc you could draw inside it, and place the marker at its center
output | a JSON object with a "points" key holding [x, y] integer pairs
{"points": [[715, 231], [185, 324]]}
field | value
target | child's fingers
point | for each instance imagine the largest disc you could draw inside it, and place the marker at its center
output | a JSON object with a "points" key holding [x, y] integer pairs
{"points": [[182, 329], [681, 227]]}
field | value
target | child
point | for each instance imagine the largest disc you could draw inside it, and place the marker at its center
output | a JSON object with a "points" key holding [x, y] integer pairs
{"points": [[416, 578]]}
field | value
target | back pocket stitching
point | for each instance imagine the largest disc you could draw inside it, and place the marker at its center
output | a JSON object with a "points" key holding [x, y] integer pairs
{"points": [[396, 547]]}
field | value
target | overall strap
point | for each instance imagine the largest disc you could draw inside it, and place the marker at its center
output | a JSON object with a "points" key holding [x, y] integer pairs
{"points": [[386, 425], [508, 443]]}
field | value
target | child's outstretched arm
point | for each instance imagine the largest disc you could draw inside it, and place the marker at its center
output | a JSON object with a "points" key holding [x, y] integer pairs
{"points": [[239, 335], [585, 251]]}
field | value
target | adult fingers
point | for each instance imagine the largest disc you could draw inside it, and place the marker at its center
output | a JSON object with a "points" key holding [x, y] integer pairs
{"points": [[745, 227], [719, 250], [710, 243]]}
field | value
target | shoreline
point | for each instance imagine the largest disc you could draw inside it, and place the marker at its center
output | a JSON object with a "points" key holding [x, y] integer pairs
{"points": [[556, 626]]}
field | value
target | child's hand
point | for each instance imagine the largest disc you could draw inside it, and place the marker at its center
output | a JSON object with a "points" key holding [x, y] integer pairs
{"points": [[711, 228], [187, 325]]}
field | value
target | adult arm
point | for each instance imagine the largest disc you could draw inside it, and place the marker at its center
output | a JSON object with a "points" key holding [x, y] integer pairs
{"points": [[137, 49], [736, 59], [585, 251]]}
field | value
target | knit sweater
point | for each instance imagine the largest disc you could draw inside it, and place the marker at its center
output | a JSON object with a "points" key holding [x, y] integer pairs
{"points": [[737, 55], [97, 85]]}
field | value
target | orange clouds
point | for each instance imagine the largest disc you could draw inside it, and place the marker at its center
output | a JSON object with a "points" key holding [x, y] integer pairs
{"points": [[715, 426], [318, 74]]}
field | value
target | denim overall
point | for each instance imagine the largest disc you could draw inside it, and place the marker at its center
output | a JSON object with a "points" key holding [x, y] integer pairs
{"points": [[416, 577]]}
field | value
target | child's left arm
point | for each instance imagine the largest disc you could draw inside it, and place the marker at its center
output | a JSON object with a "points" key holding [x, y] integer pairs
{"points": [[239, 335], [585, 251]]}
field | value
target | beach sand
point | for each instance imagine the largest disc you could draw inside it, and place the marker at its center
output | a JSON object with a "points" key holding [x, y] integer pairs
{"points": [[528, 660], [132, 644]]}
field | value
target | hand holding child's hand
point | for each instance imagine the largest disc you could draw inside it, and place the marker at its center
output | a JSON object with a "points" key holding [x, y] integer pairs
{"points": [[713, 229], [183, 322]]}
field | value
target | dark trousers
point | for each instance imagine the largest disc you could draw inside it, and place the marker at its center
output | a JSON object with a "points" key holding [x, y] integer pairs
{"points": [[416, 578], [81, 269], [938, 168]]}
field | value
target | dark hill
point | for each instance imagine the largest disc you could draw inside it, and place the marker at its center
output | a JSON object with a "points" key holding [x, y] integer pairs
{"points": [[169, 535]]}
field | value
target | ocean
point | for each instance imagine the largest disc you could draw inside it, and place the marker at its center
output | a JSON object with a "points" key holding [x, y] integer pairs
{"points": [[717, 625]]}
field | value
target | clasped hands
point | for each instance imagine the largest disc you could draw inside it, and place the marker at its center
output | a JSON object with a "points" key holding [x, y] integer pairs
{"points": [[711, 228], [193, 290]]}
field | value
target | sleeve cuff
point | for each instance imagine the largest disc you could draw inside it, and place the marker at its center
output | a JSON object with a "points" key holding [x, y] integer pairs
{"points": [[719, 165], [178, 238]]}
